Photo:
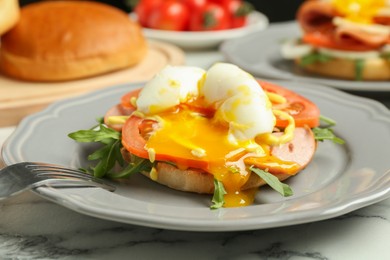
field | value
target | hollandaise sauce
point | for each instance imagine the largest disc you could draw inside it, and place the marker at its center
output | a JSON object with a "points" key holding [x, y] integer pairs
{"points": [[187, 135], [360, 11]]}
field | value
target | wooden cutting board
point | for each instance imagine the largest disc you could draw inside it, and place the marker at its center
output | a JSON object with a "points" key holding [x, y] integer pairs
{"points": [[21, 98]]}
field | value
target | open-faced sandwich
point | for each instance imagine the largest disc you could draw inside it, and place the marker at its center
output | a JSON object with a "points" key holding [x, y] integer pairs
{"points": [[218, 132], [346, 39]]}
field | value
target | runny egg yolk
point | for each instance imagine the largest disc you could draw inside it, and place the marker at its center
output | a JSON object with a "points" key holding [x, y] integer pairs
{"points": [[360, 11], [212, 122], [188, 135]]}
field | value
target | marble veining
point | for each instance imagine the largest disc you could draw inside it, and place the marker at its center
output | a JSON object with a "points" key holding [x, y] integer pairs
{"points": [[34, 228]]}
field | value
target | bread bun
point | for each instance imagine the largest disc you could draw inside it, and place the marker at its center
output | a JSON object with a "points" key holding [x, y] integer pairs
{"points": [[375, 69], [64, 40], [197, 181], [9, 14], [300, 150]]}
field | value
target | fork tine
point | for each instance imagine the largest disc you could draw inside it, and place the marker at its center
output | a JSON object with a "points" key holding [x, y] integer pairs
{"points": [[42, 168], [55, 175], [57, 172], [73, 183], [23, 176]]}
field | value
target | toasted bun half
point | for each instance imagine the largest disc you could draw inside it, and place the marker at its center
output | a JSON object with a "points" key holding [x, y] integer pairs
{"points": [[64, 40], [9, 14], [300, 150], [375, 69]]}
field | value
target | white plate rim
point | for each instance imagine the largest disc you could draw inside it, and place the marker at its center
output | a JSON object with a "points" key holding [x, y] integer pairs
{"points": [[274, 34], [80, 199]]}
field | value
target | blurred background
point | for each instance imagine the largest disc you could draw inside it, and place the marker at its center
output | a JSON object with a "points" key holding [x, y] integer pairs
{"points": [[275, 10]]}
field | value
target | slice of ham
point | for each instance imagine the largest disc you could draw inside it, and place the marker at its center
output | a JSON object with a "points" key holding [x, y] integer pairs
{"points": [[316, 16], [300, 150], [117, 110], [319, 16], [381, 19], [345, 34]]}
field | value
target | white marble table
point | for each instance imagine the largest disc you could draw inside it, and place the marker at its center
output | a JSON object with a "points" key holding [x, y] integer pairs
{"points": [[34, 228]]}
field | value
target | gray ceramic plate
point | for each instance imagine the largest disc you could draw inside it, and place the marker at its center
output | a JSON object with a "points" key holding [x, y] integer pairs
{"points": [[259, 54], [340, 179]]}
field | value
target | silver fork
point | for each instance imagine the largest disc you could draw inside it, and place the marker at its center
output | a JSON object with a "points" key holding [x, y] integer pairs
{"points": [[20, 177]]}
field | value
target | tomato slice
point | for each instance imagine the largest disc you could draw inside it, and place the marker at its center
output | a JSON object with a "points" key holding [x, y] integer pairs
{"points": [[134, 141], [326, 40], [305, 112], [135, 130]]}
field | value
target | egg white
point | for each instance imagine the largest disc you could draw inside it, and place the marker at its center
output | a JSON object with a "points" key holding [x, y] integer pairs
{"points": [[224, 80], [171, 86], [238, 99]]}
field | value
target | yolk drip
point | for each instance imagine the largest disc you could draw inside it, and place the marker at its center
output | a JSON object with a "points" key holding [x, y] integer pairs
{"points": [[360, 11], [187, 135]]}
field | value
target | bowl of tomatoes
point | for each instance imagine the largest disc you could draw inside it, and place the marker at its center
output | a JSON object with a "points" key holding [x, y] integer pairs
{"points": [[197, 23]]}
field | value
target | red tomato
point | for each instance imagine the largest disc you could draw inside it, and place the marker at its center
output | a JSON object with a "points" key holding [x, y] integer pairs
{"points": [[134, 142], [212, 17], [143, 9], [171, 15], [326, 40], [220, 2], [304, 112], [195, 5], [239, 11]]}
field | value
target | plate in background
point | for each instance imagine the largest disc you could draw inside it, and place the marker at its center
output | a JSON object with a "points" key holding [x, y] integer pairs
{"points": [[259, 54]]}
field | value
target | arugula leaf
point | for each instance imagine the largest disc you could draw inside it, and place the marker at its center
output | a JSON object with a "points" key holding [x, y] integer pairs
{"points": [[314, 57], [273, 181], [137, 165], [325, 132], [321, 134], [386, 56], [359, 66], [328, 121], [219, 191], [92, 135], [108, 155]]}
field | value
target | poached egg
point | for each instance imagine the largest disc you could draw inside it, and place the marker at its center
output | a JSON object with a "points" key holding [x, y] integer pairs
{"points": [[211, 116]]}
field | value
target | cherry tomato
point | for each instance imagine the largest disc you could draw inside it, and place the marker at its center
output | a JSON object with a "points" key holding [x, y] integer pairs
{"points": [[171, 15], [195, 5], [143, 9], [239, 11], [220, 2], [212, 17]]}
